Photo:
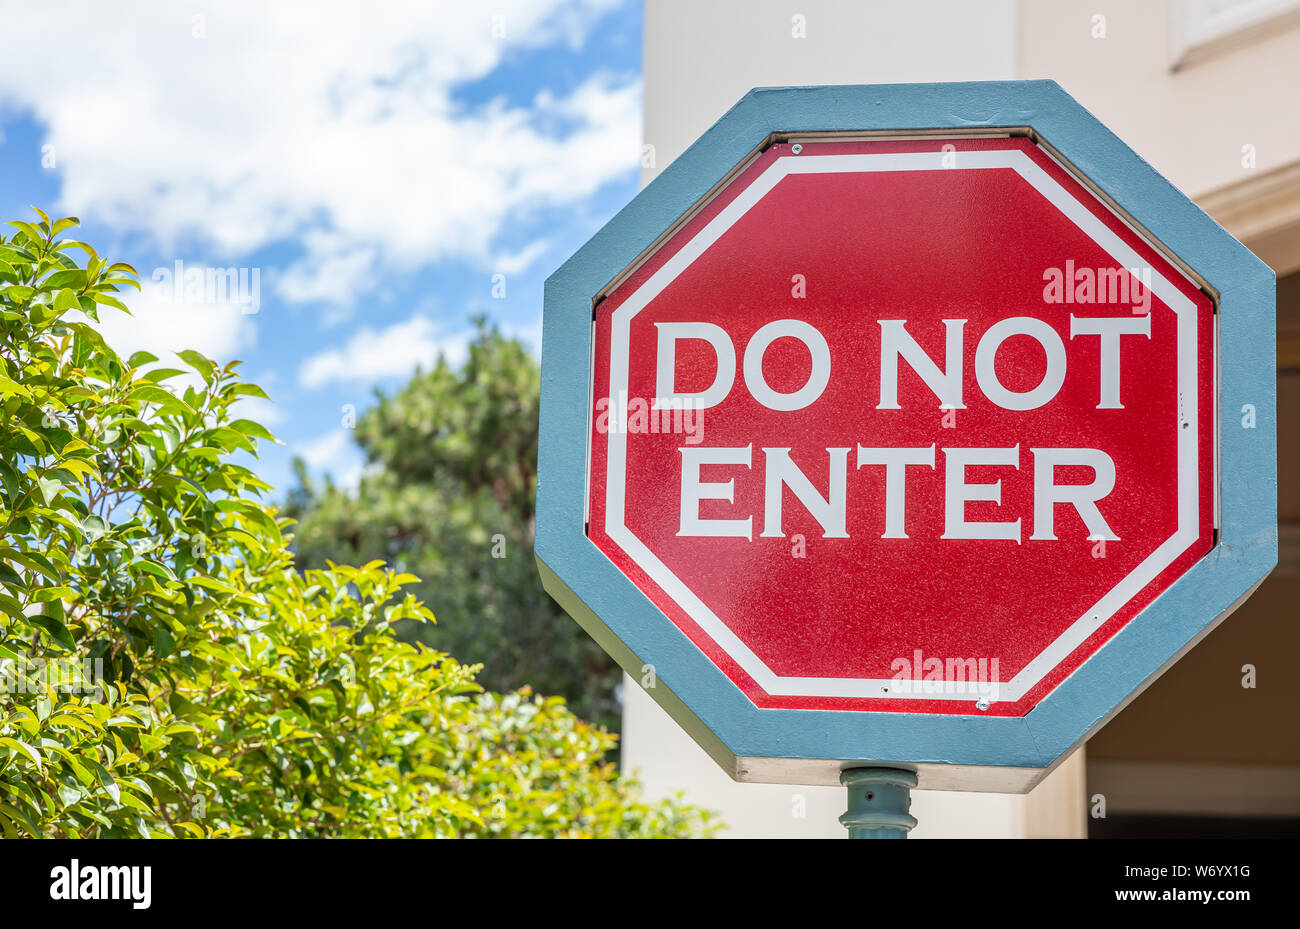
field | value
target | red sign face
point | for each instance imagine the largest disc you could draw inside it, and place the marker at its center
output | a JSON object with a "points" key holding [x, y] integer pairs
{"points": [[903, 426]]}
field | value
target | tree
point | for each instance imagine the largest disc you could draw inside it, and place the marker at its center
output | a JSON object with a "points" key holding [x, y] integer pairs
{"points": [[165, 670], [449, 497]]}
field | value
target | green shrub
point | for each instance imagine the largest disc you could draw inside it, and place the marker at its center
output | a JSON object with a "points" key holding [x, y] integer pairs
{"points": [[448, 495], [164, 669]]}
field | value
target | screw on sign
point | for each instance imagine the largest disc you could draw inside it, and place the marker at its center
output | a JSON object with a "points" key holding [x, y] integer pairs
{"points": [[916, 433]]}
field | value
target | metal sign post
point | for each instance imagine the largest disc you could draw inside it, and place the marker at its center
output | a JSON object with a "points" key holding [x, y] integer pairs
{"points": [[880, 801]]}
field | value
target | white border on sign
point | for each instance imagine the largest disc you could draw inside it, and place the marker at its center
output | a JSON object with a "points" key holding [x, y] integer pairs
{"points": [[1042, 664]]}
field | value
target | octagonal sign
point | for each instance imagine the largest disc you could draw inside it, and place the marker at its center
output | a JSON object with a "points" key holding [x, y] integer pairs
{"points": [[890, 428]]}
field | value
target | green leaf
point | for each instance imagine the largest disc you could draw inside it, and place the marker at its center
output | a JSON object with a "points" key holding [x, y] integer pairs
{"points": [[162, 374], [50, 488], [156, 569], [150, 393], [74, 278], [106, 779], [29, 230], [51, 593], [22, 747], [198, 363], [111, 301], [77, 722], [66, 300], [9, 388], [79, 466], [211, 583], [56, 630], [163, 643], [134, 802], [248, 427], [242, 389], [81, 350], [69, 243], [34, 561], [94, 527]]}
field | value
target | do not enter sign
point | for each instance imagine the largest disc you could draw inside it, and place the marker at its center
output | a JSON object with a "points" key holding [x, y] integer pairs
{"points": [[903, 425], [906, 425]]}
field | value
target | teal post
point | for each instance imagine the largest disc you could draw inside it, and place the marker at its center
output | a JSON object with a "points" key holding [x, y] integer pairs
{"points": [[880, 801]]}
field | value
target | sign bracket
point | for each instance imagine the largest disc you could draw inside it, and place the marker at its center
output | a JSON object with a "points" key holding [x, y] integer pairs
{"points": [[880, 802]]}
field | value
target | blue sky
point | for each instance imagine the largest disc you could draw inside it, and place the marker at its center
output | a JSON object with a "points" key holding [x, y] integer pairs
{"points": [[376, 164]]}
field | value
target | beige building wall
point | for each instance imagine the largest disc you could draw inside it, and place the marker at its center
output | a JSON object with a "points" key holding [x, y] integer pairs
{"points": [[1190, 121], [701, 56], [1212, 118]]}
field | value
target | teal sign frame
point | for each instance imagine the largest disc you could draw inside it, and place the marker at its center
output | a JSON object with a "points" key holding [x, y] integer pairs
{"points": [[966, 752]]}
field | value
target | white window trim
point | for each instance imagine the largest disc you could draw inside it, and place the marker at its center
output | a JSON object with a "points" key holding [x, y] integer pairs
{"points": [[1201, 29]]}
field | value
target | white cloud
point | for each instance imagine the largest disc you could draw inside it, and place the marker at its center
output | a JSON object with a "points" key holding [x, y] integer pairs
{"points": [[394, 351], [518, 261], [163, 322], [334, 452], [324, 116], [326, 449], [332, 281]]}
